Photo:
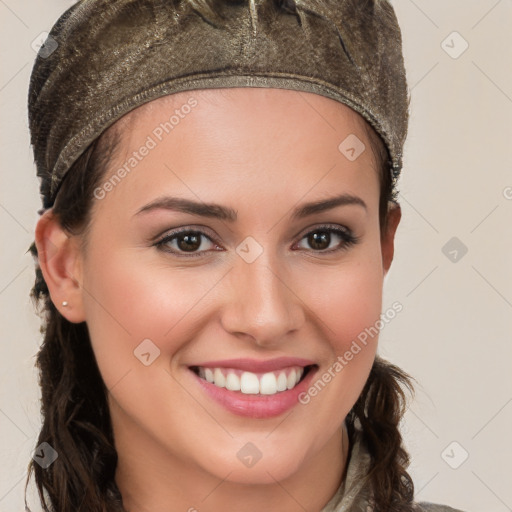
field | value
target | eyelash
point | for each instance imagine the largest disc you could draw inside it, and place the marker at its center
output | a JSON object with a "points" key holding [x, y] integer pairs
{"points": [[347, 240]]}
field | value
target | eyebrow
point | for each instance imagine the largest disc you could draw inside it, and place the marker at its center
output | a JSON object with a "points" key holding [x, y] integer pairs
{"points": [[218, 211]]}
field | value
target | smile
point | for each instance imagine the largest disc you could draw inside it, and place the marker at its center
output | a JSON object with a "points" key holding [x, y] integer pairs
{"points": [[254, 388], [249, 383]]}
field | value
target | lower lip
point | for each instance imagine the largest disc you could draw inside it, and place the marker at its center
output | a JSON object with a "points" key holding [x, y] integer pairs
{"points": [[256, 406]]}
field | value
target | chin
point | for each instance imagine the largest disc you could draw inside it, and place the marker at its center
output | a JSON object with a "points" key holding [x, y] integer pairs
{"points": [[263, 472], [256, 460]]}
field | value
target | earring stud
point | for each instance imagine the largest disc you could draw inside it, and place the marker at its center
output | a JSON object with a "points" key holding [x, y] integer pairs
{"points": [[65, 303]]}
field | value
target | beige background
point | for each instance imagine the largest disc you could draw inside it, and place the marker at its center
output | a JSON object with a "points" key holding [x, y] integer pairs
{"points": [[454, 334]]}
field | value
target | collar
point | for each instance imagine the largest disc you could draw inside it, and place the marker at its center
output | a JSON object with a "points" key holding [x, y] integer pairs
{"points": [[354, 493]]}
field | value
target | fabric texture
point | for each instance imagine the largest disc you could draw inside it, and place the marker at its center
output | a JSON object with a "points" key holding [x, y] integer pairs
{"points": [[354, 493], [103, 58]]}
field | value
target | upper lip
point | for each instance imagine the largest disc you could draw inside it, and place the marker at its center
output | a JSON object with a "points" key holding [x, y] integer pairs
{"points": [[257, 366]]}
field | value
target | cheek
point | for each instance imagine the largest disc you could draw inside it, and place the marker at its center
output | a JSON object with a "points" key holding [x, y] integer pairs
{"points": [[347, 300], [348, 305], [136, 301], [129, 301]]}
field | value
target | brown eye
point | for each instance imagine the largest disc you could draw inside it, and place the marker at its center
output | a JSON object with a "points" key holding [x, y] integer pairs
{"points": [[193, 242], [321, 238], [189, 241]]}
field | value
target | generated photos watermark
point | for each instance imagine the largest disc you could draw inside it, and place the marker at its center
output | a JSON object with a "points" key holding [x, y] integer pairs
{"points": [[151, 142], [342, 360]]}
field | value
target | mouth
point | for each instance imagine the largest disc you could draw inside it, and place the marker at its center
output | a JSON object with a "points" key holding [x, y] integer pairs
{"points": [[254, 383], [254, 388]]}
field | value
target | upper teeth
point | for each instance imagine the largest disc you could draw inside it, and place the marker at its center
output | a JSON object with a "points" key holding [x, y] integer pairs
{"points": [[253, 383]]}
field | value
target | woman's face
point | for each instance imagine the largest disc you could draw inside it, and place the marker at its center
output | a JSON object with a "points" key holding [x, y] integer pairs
{"points": [[258, 282]]}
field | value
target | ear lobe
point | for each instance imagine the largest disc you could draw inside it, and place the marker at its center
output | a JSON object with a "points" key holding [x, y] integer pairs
{"points": [[388, 238], [60, 262]]}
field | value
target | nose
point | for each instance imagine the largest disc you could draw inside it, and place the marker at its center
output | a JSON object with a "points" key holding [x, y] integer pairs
{"points": [[261, 304]]}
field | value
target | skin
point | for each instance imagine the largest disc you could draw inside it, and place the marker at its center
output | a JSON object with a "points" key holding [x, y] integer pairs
{"points": [[261, 152]]}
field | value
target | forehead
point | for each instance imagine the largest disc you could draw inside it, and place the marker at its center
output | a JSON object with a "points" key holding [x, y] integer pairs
{"points": [[257, 100], [247, 139]]}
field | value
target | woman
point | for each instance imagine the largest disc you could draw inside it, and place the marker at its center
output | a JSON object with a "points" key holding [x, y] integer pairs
{"points": [[219, 210]]}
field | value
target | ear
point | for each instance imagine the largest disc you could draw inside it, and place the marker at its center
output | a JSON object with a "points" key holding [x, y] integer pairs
{"points": [[388, 237], [60, 261]]}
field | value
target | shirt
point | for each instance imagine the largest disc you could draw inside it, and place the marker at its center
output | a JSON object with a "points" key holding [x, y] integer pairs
{"points": [[354, 495]]}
